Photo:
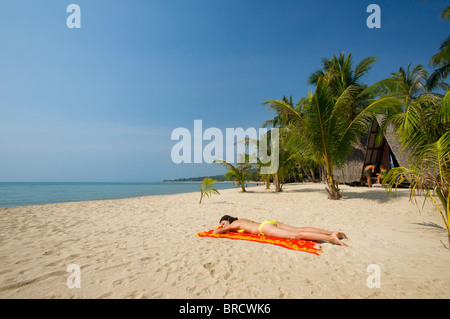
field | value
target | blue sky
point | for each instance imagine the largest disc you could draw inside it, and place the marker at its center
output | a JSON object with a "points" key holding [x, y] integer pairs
{"points": [[99, 103]]}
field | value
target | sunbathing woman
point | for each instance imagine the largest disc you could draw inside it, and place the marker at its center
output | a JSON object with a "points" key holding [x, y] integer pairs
{"points": [[273, 228]]}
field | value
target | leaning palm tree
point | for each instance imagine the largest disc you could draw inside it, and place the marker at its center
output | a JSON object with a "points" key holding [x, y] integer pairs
{"points": [[206, 188]]}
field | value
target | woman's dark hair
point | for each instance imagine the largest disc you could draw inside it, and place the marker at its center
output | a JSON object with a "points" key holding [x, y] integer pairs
{"points": [[228, 218]]}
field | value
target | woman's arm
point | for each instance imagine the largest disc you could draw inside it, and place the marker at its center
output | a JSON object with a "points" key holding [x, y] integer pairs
{"points": [[226, 229]]}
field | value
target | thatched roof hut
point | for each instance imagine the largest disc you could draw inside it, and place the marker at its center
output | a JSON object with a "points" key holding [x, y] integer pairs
{"points": [[367, 151]]}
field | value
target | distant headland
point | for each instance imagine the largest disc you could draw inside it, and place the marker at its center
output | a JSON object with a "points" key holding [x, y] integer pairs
{"points": [[219, 178]]}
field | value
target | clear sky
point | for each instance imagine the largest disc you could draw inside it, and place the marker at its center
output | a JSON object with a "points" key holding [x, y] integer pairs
{"points": [[99, 103]]}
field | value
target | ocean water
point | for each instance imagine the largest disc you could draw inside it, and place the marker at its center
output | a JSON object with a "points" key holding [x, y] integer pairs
{"points": [[25, 194]]}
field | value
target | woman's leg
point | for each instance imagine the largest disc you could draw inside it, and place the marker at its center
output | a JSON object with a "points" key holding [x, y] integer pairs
{"points": [[275, 231], [309, 230]]}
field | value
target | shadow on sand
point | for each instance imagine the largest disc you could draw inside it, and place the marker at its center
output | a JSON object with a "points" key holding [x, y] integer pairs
{"points": [[432, 226], [375, 194]]}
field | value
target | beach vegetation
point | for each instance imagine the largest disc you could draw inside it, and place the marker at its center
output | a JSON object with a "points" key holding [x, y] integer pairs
{"points": [[441, 60], [287, 161], [416, 115], [323, 127], [239, 172], [430, 173], [422, 123], [207, 188]]}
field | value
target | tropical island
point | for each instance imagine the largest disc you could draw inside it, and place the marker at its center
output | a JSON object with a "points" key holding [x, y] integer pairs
{"points": [[218, 178]]}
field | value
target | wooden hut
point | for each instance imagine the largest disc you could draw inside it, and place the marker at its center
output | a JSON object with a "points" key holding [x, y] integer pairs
{"points": [[367, 151]]}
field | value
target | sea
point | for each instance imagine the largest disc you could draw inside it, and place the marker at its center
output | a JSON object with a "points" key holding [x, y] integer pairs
{"points": [[26, 194]]}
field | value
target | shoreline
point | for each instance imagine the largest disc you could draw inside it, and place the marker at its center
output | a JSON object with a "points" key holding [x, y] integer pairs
{"points": [[146, 247], [106, 196]]}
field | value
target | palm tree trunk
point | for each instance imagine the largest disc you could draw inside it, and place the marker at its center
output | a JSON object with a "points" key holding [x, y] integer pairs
{"points": [[243, 185], [333, 189], [277, 182], [308, 175], [332, 184], [313, 176], [268, 182]]}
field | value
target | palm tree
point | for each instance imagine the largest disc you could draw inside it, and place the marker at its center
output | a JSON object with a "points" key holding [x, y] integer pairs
{"points": [[206, 188], [286, 160], [288, 155], [239, 172], [344, 76], [422, 122], [340, 68], [324, 133], [416, 116], [441, 60], [328, 123], [341, 74], [430, 172]]}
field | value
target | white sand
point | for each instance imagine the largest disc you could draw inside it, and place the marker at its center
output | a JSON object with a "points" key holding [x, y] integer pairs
{"points": [[147, 247]]}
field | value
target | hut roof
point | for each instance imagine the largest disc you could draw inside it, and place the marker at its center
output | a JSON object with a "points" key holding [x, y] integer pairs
{"points": [[368, 151]]}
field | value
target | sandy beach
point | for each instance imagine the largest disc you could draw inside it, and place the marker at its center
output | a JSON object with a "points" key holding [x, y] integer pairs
{"points": [[147, 247]]}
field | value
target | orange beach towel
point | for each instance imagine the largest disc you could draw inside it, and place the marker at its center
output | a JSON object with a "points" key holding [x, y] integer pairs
{"points": [[294, 244]]}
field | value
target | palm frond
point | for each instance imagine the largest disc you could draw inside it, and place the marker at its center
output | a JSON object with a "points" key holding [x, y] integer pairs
{"points": [[445, 14], [206, 188], [364, 66]]}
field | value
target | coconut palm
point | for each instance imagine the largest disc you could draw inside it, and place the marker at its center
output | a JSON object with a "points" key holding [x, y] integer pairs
{"points": [[289, 156], [327, 124], [239, 172], [422, 120], [341, 74], [206, 188], [345, 79], [324, 133], [341, 69], [417, 115], [430, 174], [441, 60]]}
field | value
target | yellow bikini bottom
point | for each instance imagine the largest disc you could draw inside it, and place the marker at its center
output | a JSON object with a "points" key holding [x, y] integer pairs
{"points": [[270, 221]]}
